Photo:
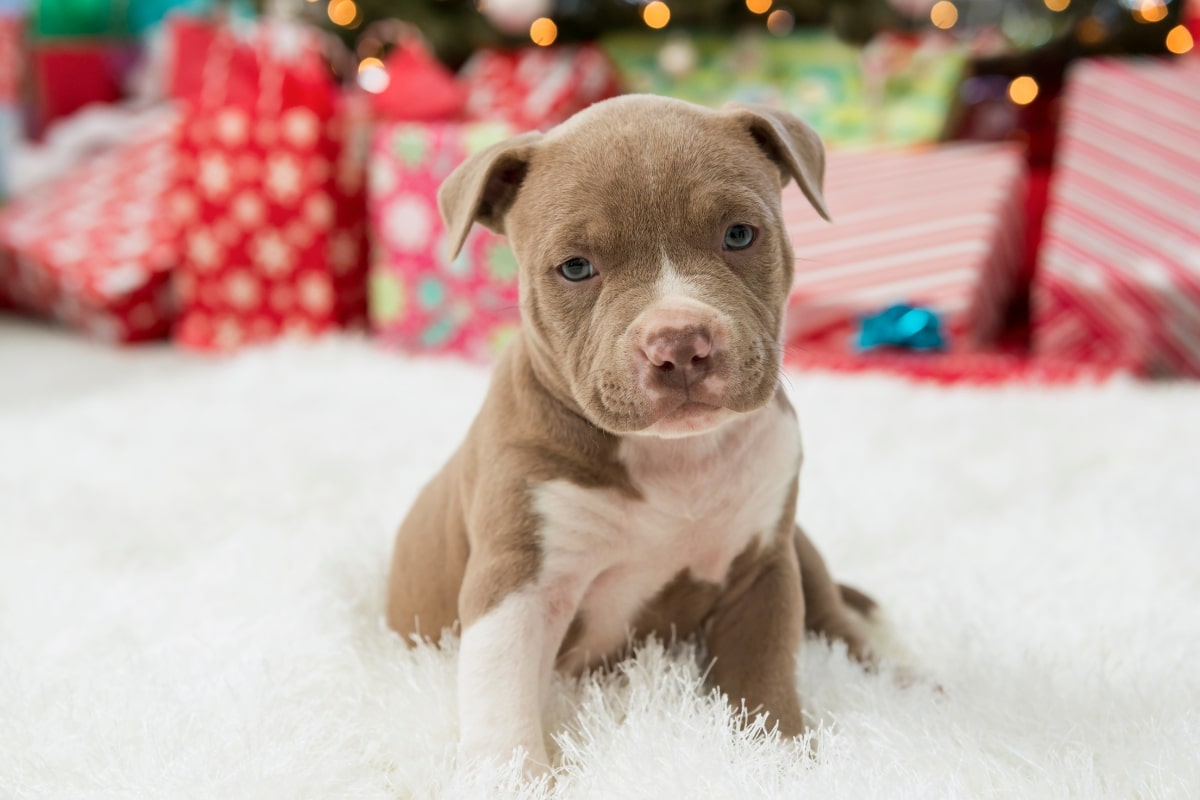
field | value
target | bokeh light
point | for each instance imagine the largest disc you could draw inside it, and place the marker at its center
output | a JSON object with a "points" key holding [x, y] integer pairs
{"points": [[1149, 11], [1091, 30], [342, 12], [943, 14], [543, 31], [656, 14], [372, 76], [1057, 5], [780, 22], [1023, 90], [1179, 40], [759, 6]]}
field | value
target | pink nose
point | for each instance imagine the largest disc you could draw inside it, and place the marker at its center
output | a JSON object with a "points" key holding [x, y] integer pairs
{"points": [[678, 357]]}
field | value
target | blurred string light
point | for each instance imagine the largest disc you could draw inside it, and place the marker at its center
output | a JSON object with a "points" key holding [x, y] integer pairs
{"points": [[543, 31], [758, 6], [372, 76], [656, 14], [342, 12], [1023, 90], [1057, 5], [943, 14], [1091, 30], [780, 22], [1148, 11], [1179, 40]]}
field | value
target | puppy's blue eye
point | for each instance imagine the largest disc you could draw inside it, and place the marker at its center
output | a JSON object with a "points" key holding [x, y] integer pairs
{"points": [[738, 237], [577, 269]]}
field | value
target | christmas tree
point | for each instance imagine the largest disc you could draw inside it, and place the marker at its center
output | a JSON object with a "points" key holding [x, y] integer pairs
{"points": [[1019, 33]]}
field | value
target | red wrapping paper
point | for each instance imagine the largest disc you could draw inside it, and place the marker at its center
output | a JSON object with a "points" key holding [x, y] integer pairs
{"points": [[1119, 275], [11, 29], [92, 249], [537, 87], [270, 200], [940, 228]]}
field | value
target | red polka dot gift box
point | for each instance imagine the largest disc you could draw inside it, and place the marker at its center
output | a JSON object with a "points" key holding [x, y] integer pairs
{"points": [[1118, 278], [421, 299], [92, 249], [270, 198]]}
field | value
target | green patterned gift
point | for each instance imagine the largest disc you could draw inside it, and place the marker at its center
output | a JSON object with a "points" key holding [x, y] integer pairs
{"points": [[898, 90]]}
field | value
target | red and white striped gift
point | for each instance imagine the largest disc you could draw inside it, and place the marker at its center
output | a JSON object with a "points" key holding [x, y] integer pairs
{"points": [[1119, 274], [940, 228]]}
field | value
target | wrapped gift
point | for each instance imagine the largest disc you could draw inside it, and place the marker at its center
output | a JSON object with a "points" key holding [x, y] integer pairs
{"points": [[106, 19], [421, 298], [991, 367], [92, 249], [271, 198], [79, 53], [83, 52], [411, 84], [11, 28], [68, 75], [536, 87], [11, 37], [1119, 273], [9, 135], [900, 90], [939, 229]]}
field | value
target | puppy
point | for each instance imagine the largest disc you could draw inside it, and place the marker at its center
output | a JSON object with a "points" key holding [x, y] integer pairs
{"points": [[634, 466]]}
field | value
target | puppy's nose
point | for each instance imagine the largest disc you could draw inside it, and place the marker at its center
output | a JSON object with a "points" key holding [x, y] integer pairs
{"points": [[678, 356]]}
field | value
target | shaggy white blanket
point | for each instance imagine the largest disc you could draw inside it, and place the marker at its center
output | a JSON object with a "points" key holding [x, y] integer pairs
{"points": [[193, 552]]}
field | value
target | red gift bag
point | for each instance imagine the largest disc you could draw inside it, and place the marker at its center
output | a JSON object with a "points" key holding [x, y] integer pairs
{"points": [[271, 199]]}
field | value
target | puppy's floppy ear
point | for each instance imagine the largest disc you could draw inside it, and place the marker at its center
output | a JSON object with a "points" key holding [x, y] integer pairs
{"points": [[791, 144], [482, 188]]}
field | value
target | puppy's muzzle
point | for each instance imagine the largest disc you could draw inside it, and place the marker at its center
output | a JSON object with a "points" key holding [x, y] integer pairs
{"points": [[678, 353], [678, 358]]}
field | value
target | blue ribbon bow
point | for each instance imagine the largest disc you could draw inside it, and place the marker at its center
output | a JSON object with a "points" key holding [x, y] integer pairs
{"points": [[901, 325]]}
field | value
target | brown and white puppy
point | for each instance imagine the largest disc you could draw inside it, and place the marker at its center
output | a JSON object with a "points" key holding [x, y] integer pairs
{"points": [[634, 466]]}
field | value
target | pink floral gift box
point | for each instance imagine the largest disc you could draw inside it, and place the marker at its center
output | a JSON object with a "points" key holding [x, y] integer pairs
{"points": [[421, 299]]}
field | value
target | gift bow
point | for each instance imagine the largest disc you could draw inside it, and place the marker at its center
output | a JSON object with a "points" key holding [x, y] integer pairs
{"points": [[901, 325]]}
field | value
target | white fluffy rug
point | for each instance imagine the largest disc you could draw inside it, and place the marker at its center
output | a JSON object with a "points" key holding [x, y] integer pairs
{"points": [[192, 561]]}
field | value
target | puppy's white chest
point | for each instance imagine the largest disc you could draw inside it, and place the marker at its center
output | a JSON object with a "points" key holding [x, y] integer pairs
{"points": [[703, 501]]}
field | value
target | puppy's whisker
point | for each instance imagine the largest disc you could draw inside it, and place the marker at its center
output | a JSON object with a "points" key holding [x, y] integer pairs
{"points": [[790, 349]]}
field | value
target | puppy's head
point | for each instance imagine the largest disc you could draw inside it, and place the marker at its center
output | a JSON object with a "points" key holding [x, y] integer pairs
{"points": [[654, 266]]}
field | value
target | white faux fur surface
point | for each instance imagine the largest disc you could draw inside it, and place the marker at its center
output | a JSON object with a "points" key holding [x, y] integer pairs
{"points": [[193, 555]]}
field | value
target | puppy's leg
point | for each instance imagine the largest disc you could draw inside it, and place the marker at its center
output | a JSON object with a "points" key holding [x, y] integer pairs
{"points": [[505, 663], [754, 633], [825, 603], [857, 600]]}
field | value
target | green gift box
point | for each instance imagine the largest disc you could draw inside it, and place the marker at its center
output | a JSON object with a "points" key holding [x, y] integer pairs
{"points": [[897, 91], [114, 19]]}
